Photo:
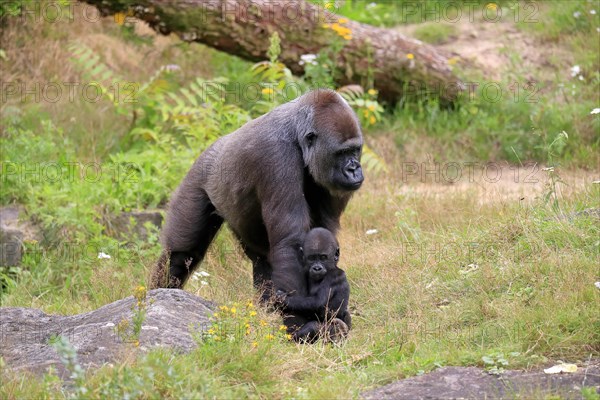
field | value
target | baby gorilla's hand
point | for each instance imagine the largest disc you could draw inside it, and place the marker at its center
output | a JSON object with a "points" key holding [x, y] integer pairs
{"points": [[280, 297]]}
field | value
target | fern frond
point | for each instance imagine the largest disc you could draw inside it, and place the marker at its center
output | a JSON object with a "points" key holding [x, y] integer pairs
{"points": [[351, 92], [90, 65], [373, 162]]}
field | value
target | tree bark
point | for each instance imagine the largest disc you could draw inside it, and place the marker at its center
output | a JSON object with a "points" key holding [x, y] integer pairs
{"points": [[396, 65]]}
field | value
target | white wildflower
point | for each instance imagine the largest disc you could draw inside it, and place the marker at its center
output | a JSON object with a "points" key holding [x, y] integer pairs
{"points": [[203, 283], [371, 231], [371, 6], [103, 255], [577, 14], [593, 12], [308, 59], [172, 67], [575, 70], [595, 111]]}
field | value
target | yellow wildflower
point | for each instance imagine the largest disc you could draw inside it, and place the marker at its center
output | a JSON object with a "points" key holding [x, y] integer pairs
{"points": [[217, 338], [224, 308], [254, 344], [372, 92], [250, 304], [139, 293], [410, 56], [371, 107], [288, 336], [211, 331], [282, 327], [328, 6], [247, 332], [343, 20], [136, 343], [252, 313], [120, 18], [216, 315], [267, 91], [233, 310], [372, 120], [366, 113], [262, 322], [269, 336]]}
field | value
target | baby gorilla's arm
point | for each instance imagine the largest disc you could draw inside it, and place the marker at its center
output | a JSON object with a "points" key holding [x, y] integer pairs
{"points": [[317, 300]]}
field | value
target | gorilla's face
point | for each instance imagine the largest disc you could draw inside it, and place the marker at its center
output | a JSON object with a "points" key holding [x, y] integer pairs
{"points": [[320, 253], [335, 147], [347, 172]]}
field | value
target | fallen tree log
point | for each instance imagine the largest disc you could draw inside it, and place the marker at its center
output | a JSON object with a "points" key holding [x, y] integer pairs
{"points": [[397, 65]]}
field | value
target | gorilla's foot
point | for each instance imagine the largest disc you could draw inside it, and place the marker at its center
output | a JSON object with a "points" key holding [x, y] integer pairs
{"points": [[334, 331]]}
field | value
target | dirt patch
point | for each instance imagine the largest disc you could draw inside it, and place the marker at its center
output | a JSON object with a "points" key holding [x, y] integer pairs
{"points": [[499, 48], [490, 183], [475, 383]]}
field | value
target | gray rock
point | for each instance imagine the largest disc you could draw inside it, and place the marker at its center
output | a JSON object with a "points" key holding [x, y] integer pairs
{"points": [[9, 215], [475, 383], [172, 316], [11, 237], [11, 246], [132, 223]]}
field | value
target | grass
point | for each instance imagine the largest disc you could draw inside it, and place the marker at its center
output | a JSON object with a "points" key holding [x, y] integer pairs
{"points": [[416, 303], [463, 267], [435, 33]]}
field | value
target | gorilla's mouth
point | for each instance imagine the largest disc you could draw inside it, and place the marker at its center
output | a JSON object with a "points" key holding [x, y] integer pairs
{"points": [[354, 185], [353, 181]]}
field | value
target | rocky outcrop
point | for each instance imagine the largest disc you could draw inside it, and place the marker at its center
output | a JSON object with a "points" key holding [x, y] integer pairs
{"points": [[172, 317], [475, 383], [133, 223]]}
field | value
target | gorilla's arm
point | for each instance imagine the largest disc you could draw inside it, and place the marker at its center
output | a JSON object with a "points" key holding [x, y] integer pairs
{"points": [[286, 218], [312, 303]]}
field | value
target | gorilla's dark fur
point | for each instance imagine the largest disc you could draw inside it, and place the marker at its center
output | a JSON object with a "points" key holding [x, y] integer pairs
{"points": [[327, 289], [272, 180]]}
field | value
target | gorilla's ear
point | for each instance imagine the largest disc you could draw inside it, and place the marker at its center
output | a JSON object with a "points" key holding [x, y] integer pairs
{"points": [[307, 145], [306, 132], [336, 257]]}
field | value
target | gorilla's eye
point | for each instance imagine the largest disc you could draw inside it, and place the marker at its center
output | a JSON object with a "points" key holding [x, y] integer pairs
{"points": [[323, 257], [311, 137]]}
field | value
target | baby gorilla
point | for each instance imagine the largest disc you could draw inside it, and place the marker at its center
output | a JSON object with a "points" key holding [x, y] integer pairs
{"points": [[326, 303]]}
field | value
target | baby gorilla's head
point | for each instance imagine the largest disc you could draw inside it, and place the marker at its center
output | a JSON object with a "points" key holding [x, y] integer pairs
{"points": [[320, 253]]}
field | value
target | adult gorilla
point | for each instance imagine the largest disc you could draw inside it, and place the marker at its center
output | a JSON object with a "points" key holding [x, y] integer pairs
{"points": [[272, 180]]}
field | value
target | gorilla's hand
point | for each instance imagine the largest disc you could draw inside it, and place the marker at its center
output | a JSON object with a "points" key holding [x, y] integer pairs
{"points": [[280, 298]]}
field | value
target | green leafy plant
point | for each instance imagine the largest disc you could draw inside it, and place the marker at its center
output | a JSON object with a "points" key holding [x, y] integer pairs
{"points": [[553, 151], [275, 80], [130, 332], [495, 363], [68, 357]]}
